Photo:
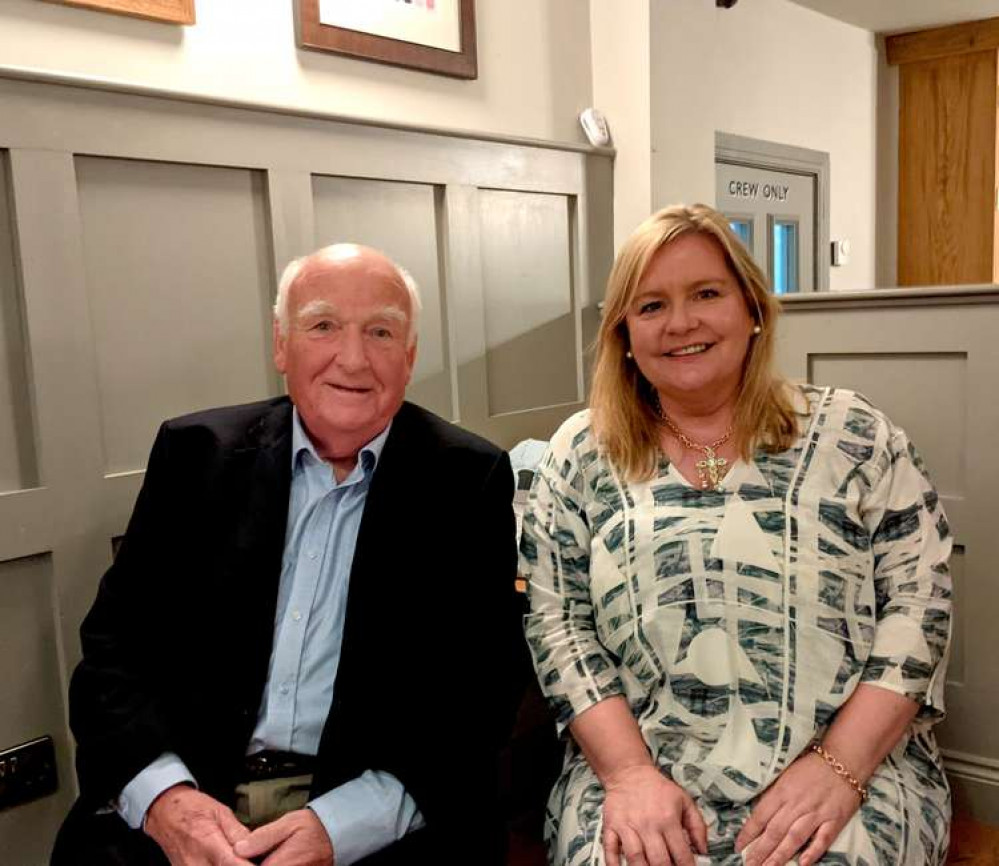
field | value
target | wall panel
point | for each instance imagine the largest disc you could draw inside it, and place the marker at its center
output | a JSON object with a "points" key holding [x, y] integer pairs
{"points": [[956, 666], [402, 220], [18, 463], [29, 668], [930, 360], [883, 376], [178, 267], [528, 292]]}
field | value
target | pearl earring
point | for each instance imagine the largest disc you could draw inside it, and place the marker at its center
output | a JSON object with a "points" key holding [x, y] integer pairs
{"points": [[757, 330], [628, 354]]}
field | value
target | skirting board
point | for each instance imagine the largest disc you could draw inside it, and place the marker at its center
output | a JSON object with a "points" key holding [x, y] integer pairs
{"points": [[975, 782]]}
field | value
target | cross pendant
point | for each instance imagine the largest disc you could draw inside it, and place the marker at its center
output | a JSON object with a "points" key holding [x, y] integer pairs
{"points": [[711, 467]]}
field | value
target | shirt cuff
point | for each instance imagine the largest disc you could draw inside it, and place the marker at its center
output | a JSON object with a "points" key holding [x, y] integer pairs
{"points": [[366, 814], [138, 795]]}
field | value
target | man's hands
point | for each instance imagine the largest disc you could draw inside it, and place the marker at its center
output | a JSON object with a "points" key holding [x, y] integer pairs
{"points": [[806, 802], [193, 829], [650, 820], [295, 839]]}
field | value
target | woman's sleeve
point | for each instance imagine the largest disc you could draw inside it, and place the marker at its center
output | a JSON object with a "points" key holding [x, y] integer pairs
{"points": [[573, 667], [911, 543]]}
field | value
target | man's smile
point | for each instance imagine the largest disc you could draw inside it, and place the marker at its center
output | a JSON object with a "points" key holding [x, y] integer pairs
{"points": [[350, 389]]}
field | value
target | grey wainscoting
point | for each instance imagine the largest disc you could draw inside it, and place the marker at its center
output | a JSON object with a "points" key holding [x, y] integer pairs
{"points": [[141, 239], [372, 212], [18, 459], [930, 359]]}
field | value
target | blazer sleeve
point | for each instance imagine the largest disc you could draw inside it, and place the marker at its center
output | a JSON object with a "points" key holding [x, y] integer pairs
{"points": [[114, 711]]}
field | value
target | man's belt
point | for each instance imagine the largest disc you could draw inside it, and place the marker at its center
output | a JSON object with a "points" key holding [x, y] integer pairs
{"points": [[270, 764]]}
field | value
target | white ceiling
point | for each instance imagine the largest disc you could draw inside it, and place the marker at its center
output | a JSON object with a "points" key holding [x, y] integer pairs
{"points": [[895, 16]]}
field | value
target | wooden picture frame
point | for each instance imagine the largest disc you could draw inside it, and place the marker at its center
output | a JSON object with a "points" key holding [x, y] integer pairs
{"points": [[170, 11], [314, 35]]}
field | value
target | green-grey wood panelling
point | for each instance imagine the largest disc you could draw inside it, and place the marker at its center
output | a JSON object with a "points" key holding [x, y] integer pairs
{"points": [[29, 667], [402, 219], [877, 375], [178, 268], [140, 247], [528, 300], [18, 462], [931, 361]]}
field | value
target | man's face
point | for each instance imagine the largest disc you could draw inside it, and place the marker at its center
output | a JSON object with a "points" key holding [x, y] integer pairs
{"points": [[345, 355]]}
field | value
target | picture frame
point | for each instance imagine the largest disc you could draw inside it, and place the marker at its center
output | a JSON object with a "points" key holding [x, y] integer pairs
{"points": [[398, 43], [169, 11]]}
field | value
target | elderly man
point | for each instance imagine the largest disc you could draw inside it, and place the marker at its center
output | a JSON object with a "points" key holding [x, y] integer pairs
{"points": [[308, 648]]}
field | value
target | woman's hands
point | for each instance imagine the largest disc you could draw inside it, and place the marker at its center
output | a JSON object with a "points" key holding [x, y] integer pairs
{"points": [[803, 810], [808, 801], [650, 820]]}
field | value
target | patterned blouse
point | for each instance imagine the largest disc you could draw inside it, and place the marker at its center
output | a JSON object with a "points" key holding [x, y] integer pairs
{"points": [[737, 621]]}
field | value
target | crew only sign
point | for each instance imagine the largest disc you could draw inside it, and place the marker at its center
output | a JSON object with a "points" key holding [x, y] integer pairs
{"points": [[755, 189]]}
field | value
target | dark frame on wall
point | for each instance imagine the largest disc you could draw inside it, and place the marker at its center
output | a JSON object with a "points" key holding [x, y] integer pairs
{"points": [[170, 11], [396, 52]]}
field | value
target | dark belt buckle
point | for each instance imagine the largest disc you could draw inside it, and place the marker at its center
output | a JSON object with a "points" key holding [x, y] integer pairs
{"points": [[265, 765]]}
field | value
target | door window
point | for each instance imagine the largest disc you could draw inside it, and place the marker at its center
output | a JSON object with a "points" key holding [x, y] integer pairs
{"points": [[743, 227], [784, 263]]}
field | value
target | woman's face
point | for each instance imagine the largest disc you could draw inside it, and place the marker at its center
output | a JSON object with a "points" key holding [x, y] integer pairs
{"points": [[688, 324]]}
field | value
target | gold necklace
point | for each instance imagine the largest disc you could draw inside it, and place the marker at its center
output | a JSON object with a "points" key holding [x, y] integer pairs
{"points": [[711, 470]]}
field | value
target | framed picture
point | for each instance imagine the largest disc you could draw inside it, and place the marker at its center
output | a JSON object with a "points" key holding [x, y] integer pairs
{"points": [[432, 35], [172, 11]]}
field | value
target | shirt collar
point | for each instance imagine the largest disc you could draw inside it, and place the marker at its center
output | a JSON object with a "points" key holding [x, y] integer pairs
{"points": [[301, 444]]}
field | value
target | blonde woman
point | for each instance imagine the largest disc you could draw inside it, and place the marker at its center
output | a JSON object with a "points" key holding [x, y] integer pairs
{"points": [[740, 600]]}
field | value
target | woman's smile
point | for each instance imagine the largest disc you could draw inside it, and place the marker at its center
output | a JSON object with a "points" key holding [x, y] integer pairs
{"points": [[689, 350]]}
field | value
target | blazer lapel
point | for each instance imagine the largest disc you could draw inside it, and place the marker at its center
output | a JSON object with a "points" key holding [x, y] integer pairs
{"points": [[387, 503], [264, 467]]}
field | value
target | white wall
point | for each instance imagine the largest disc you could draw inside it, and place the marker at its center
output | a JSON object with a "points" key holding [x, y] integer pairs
{"points": [[767, 69], [622, 90], [534, 63], [668, 74]]}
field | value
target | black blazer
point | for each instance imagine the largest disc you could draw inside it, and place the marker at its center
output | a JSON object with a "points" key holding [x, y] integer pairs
{"points": [[177, 645]]}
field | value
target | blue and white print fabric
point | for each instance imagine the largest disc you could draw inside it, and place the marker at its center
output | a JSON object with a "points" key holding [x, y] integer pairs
{"points": [[737, 621]]}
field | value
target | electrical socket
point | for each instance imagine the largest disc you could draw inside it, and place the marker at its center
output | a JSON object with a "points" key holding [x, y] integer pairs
{"points": [[27, 772]]}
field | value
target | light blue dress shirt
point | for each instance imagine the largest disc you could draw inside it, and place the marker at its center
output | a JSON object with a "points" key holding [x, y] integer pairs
{"points": [[373, 810]]}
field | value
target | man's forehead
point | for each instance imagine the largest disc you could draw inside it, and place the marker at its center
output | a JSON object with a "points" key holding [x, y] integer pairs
{"points": [[352, 276], [326, 307]]}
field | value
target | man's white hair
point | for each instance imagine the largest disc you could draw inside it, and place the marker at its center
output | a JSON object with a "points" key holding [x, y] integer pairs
{"points": [[333, 253]]}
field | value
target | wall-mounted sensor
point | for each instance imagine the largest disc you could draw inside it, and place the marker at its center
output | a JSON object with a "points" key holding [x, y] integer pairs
{"points": [[595, 126], [840, 253]]}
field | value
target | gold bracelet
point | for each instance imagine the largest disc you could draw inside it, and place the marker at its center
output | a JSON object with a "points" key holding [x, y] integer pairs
{"points": [[837, 767]]}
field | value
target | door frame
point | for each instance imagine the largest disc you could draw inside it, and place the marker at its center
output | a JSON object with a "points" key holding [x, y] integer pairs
{"points": [[773, 156]]}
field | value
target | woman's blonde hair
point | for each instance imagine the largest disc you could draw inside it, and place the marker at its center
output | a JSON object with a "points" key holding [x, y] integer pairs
{"points": [[624, 403]]}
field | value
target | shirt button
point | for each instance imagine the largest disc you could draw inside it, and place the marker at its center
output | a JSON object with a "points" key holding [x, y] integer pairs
{"points": [[283, 689], [296, 615], [312, 554]]}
